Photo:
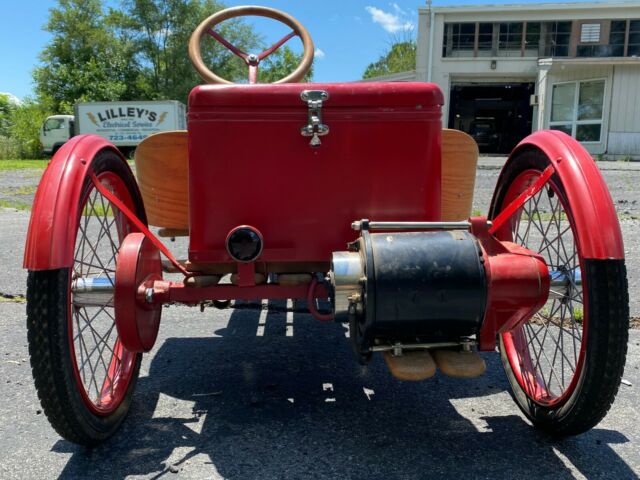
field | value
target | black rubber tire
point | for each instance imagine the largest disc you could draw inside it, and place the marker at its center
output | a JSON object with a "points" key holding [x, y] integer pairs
{"points": [[48, 310], [607, 304]]}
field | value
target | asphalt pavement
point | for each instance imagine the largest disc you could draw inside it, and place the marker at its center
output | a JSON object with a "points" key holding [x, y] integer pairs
{"points": [[267, 392]]}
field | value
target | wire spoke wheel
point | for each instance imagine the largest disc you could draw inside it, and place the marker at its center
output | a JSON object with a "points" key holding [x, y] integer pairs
{"points": [[83, 374], [566, 362], [103, 366]]}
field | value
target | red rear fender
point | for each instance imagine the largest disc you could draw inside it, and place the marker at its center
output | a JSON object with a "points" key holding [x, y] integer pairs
{"points": [[52, 227], [595, 214]]}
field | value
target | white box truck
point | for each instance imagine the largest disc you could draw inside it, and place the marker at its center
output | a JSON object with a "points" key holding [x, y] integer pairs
{"points": [[125, 124]]}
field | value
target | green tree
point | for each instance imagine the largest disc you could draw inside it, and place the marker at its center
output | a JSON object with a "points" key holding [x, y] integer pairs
{"points": [[400, 57], [280, 64], [85, 60], [161, 30]]}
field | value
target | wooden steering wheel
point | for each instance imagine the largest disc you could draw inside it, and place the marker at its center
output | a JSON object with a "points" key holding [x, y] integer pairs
{"points": [[252, 60]]}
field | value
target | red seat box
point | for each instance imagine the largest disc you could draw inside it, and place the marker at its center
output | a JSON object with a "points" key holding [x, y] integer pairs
{"points": [[249, 164]]}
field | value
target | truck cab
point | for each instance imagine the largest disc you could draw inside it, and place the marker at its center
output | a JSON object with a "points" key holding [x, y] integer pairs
{"points": [[55, 131]]}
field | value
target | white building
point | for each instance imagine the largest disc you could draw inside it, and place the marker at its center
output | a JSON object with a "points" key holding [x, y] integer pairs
{"points": [[511, 69]]}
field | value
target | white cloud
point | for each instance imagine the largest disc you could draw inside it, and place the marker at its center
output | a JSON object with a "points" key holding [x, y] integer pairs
{"points": [[392, 22], [397, 9], [319, 54]]}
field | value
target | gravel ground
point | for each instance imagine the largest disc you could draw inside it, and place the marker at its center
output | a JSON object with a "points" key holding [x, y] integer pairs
{"points": [[220, 397]]}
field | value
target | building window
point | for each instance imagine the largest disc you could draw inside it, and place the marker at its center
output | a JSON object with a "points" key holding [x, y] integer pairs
{"points": [[532, 39], [485, 39], [459, 40], [510, 39], [633, 49], [513, 39], [557, 39], [616, 38], [577, 109]]}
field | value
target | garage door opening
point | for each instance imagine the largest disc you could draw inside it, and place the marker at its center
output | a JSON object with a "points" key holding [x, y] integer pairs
{"points": [[497, 116]]}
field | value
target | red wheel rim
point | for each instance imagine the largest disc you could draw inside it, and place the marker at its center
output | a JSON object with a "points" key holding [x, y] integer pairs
{"points": [[547, 353], [103, 368]]}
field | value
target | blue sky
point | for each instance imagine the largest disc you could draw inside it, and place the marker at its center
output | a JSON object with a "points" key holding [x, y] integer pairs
{"points": [[348, 33]]}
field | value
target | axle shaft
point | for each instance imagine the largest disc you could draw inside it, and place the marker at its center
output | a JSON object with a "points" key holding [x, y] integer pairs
{"points": [[93, 292]]}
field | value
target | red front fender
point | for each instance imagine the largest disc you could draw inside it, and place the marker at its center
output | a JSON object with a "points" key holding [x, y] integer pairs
{"points": [[596, 218], [52, 227]]}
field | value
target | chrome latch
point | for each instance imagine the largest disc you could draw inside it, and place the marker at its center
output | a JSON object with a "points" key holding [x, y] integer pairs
{"points": [[315, 128]]}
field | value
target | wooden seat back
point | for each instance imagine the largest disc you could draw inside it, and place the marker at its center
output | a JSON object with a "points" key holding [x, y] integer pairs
{"points": [[459, 162], [162, 170]]}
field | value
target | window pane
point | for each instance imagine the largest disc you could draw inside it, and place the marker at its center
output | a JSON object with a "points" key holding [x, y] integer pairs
{"points": [[532, 39], [600, 50], [465, 39], [557, 39], [634, 26], [588, 133], [459, 39], [591, 100], [510, 36], [616, 38], [618, 26], [563, 128], [485, 34], [562, 102]]}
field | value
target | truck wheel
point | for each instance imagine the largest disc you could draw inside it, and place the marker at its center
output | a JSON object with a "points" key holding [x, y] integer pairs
{"points": [[566, 363], [83, 375]]}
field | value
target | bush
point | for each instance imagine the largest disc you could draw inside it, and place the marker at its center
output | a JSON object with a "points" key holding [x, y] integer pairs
{"points": [[9, 148], [26, 121]]}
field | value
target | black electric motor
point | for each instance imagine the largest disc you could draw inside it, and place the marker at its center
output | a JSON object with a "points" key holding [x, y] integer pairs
{"points": [[409, 287]]}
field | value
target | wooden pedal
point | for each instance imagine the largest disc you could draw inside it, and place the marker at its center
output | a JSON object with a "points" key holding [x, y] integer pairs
{"points": [[413, 365], [459, 364]]}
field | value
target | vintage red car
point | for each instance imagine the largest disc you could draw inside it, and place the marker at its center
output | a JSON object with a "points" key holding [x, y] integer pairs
{"points": [[349, 193]]}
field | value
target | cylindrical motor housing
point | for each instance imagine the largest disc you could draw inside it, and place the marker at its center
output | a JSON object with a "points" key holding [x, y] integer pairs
{"points": [[413, 285]]}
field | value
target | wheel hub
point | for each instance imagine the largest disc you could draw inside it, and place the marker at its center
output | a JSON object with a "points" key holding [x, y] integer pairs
{"points": [[138, 266]]}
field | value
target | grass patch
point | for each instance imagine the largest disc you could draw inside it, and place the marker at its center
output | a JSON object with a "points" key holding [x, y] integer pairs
{"points": [[98, 210], [25, 190], [8, 298], [8, 165], [17, 204]]}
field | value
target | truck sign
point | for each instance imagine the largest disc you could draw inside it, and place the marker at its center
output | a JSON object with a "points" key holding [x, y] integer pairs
{"points": [[126, 124]]}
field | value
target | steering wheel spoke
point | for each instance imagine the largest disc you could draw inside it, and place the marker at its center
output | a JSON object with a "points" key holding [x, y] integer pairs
{"points": [[252, 61], [230, 46], [276, 45]]}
